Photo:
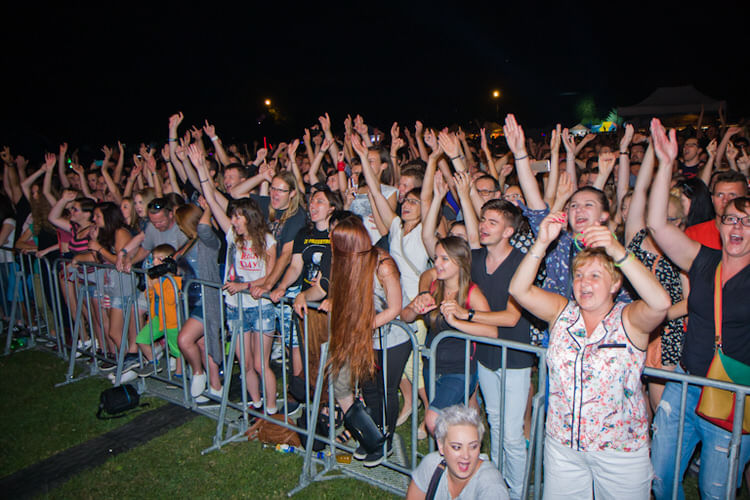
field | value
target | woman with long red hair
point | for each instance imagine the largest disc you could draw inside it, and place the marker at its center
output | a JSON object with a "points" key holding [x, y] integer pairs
{"points": [[365, 294]]}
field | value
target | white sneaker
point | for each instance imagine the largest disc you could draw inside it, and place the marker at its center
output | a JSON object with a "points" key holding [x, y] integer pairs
{"points": [[172, 364], [198, 385], [216, 392], [125, 378], [158, 352]]}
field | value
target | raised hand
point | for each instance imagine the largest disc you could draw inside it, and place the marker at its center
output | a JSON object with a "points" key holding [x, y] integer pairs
{"points": [[165, 152], [359, 125], [292, 149], [266, 171], [565, 189], [601, 237], [463, 183], [325, 124], [395, 131], [196, 133], [107, 152], [568, 141], [712, 147], [196, 156], [306, 136], [606, 162], [732, 151], [551, 226], [514, 136], [77, 168], [209, 129], [439, 187], [348, 124], [327, 142], [743, 162], [260, 155], [174, 121], [430, 139], [69, 195], [483, 140], [627, 138], [63, 148], [665, 147], [49, 161], [418, 128], [450, 144], [358, 147], [554, 142], [461, 134]]}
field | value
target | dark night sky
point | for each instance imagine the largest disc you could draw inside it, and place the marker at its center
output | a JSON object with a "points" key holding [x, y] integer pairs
{"points": [[100, 74]]}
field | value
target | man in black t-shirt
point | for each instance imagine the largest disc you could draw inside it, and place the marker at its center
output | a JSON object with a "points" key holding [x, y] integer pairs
{"points": [[493, 262], [730, 266]]}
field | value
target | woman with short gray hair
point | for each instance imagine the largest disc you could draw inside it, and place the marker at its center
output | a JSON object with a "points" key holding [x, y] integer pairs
{"points": [[457, 469]]}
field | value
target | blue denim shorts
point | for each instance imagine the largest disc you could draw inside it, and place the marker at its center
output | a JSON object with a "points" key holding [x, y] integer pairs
{"points": [[449, 388], [251, 318]]}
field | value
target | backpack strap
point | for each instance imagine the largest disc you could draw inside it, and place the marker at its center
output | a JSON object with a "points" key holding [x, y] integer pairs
{"points": [[432, 488]]}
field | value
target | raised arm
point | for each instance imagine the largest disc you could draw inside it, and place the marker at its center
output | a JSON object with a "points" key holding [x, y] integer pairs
{"points": [[675, 244], [47, 185], [381, 203], [120, 162], [637, 212], [64, 182], [544, 305], [606, 165], [49, 162], [55, 214], [570, 155], [462, 180], [388, 275], [554, 166], [491, 168], [517, 143], [315, 165], [418, 131], [196, 157], [78, 169], [221, 154], [623, 172], [108, 178], [643, 315], [431, 216]]}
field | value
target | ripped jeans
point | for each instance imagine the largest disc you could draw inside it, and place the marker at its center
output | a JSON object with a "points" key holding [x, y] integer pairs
{"points": [[714, 452]]}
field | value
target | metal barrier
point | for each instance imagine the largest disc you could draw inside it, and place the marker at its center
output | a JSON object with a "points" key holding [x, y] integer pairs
{"points": [[741, 391], [537, 428], [23, 299], [310, 473]]}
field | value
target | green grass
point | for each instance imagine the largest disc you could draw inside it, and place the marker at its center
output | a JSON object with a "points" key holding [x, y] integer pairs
{"points": [[43, 420], [172, 465], [39, 420]]}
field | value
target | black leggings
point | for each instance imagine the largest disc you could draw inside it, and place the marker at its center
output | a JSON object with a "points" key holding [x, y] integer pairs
{"points": [[372, 389]]}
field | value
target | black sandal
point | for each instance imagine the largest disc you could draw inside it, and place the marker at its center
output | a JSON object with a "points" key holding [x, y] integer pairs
{"points": [[344, 437]]}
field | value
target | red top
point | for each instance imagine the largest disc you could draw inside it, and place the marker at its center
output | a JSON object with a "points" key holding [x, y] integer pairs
{"points": [[705, 233]]}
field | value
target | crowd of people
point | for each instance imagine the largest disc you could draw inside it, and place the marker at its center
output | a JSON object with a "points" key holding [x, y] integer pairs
{"points": [[607, 249]]}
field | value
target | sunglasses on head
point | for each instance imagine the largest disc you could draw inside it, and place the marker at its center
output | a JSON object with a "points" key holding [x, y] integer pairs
{"points": [[157, 204]]}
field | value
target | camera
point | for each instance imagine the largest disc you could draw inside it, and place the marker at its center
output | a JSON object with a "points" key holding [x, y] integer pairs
{"points": [[168, 265]]}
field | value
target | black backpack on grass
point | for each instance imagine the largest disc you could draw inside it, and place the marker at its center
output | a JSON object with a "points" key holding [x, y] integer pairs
{"points": [[118, 400]]}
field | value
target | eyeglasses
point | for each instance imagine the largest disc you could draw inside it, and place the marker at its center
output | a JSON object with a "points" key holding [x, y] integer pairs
{"points": [[412, 201], [279, 190], [74, 209], [157, 204], [486, 192], [733, 220]]}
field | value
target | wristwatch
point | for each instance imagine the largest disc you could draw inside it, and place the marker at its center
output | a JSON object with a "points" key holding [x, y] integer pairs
{"points": [[471, 314]]}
